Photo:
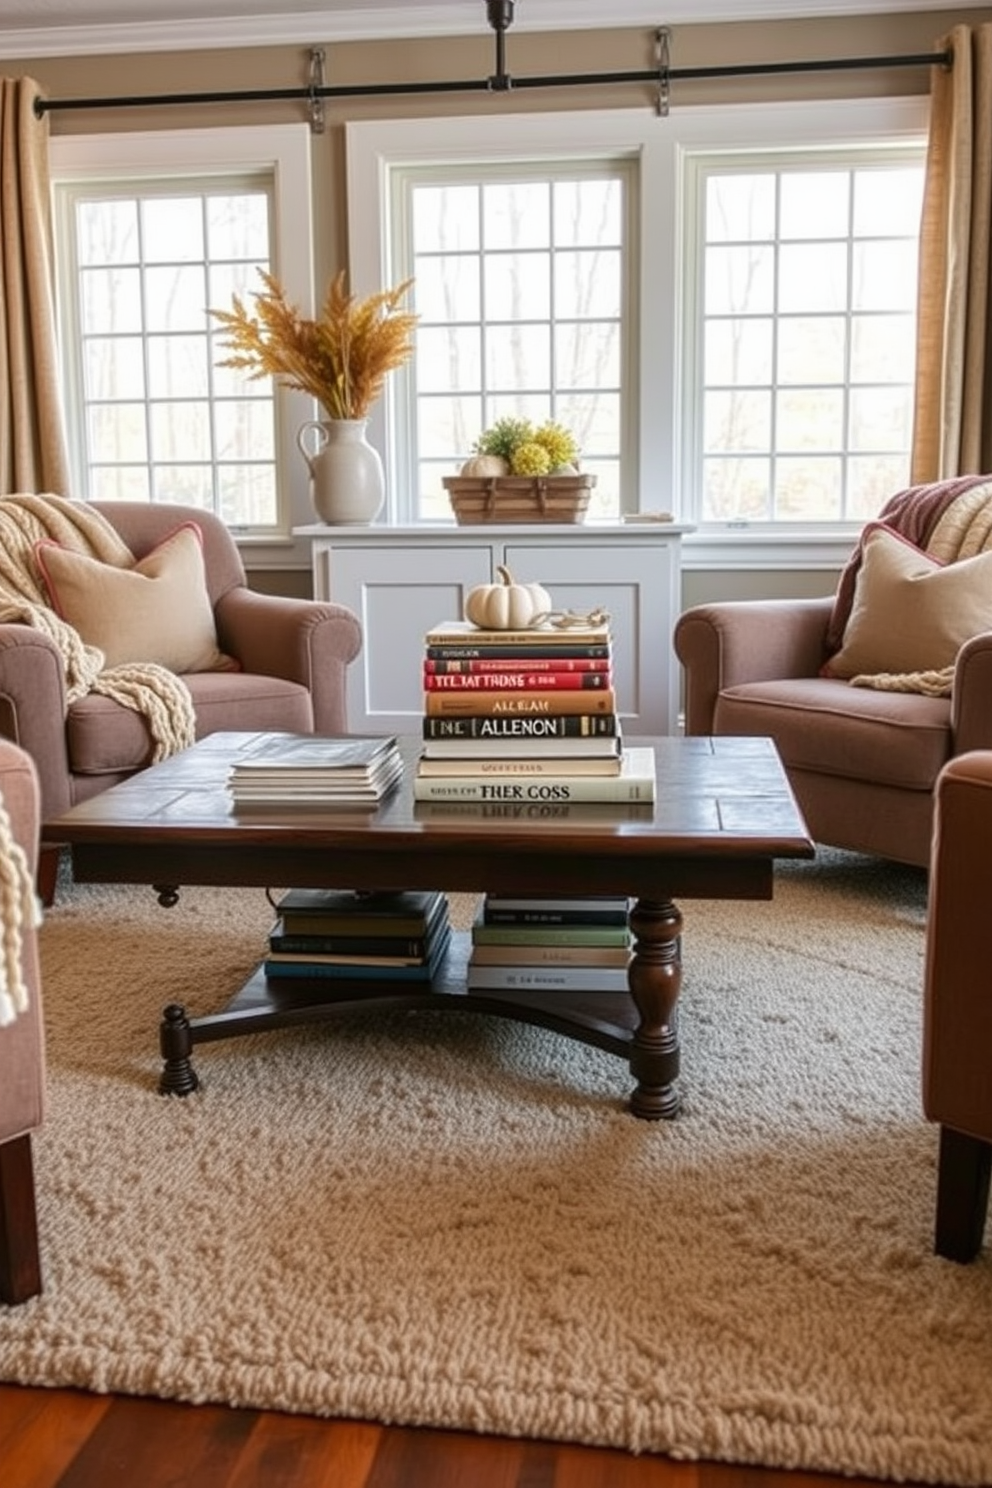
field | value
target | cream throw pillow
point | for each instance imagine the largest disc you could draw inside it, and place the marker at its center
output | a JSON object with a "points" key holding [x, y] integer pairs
{"points": [[157, 611], [911, 613]]}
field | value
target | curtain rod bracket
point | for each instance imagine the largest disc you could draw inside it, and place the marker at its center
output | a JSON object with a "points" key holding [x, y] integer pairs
{"points": [[499, 14], [662, 55], [315, 102]]}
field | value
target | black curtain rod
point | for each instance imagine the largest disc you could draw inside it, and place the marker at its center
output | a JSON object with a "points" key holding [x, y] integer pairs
{"points": [[502, 83]]}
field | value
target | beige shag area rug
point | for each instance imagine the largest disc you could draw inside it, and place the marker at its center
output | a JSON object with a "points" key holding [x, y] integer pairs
{"points": [[453, 1221]]}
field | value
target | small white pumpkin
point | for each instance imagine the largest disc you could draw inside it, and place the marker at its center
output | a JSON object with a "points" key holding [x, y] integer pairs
{"points": [[506, 605], [485, 466]]}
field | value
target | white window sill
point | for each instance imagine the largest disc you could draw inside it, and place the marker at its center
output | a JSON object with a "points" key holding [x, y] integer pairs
{"points": [[793, 551]]}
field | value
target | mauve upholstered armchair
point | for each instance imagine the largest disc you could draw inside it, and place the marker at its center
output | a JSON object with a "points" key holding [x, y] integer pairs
{"points": [[22, 1060], [957, 1008], [293, 655], [863, 761]]}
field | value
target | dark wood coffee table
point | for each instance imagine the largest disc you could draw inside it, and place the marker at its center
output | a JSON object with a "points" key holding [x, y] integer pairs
{"points": [[724, 813]]}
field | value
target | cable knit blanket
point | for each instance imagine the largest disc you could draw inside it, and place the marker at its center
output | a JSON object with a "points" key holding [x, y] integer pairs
{"points": [[159, 695], [19, 908], [950, 520]]}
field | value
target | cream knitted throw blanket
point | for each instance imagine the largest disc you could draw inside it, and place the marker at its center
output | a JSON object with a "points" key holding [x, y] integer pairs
{"points": [[19, 906], [157, 694], [963, 529]]}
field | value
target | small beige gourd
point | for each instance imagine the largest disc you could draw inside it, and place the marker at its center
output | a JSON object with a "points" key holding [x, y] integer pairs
{"points": [[506, 605], [485, 466]]}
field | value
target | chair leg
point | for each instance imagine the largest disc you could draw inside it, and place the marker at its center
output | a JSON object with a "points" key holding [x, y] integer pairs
{"points": [[48, 872], [20, 1261], [964, 1166]]}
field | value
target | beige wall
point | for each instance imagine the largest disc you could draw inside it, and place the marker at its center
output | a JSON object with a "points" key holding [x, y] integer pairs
{"points": [[473, 59]]}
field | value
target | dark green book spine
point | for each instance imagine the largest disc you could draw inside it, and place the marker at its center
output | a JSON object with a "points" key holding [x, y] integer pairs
{"points": [[347, 945], [536, 917], [335, 971]]}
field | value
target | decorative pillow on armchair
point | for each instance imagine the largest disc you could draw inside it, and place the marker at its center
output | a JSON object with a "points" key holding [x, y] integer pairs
{"points": [[157, 611], [911, 613]]}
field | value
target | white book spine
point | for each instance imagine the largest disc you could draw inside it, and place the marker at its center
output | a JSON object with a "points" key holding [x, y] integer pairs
{"points": [[545, 790], [550, 978]]}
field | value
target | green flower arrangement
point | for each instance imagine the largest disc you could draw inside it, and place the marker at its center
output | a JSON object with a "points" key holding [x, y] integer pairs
{"points": [[548, 449]]}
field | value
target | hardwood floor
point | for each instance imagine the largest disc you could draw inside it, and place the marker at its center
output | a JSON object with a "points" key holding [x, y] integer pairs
{"points": [[70, 1439]]}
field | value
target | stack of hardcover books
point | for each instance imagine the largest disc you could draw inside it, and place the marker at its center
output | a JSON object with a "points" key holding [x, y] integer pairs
{"points": [[311, 770], [527, 716], [386, 937], [568, 944]]}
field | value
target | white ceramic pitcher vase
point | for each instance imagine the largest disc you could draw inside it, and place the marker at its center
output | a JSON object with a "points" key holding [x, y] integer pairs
{"points": [[346, 480]]}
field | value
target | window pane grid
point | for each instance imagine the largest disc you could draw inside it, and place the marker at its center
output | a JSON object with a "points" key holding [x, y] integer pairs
{"points": [[159, 420], [805, 338], [518, 286]]}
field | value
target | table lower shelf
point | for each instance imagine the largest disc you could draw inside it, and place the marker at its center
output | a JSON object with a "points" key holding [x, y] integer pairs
{"points": [[604, 1019]]}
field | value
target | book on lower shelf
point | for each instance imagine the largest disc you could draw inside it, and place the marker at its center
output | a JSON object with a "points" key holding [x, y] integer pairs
{"points": [[540, 954], [582, 954], [635, 781], [547, 978], [589, 909], [560, 935], [276, 967], [351, 912], [401, 947]]}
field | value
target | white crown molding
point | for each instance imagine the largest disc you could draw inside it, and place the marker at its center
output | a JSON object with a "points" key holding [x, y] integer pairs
{"points": [[352, 20]]}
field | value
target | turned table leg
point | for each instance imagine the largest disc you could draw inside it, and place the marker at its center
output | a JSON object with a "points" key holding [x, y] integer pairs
{"points": [[654, 979], [175, 1038]]}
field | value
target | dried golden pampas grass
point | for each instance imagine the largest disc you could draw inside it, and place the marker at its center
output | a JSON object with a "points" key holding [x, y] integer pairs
{"points": [[342, 358]]}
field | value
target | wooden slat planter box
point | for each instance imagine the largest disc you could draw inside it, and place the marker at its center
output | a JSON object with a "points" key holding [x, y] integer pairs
{"points": [[513, 498]]}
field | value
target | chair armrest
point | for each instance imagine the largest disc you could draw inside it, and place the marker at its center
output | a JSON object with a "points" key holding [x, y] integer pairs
{"points": [[19, 787], [737, 641], [957, 1006], [33, 709], [971, 704], [302, 640]]}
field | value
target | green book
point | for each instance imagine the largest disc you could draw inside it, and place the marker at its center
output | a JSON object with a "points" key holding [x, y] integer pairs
{"points": [[560, 935]]}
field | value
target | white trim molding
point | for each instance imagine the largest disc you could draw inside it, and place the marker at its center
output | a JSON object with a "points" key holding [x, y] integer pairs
{"points": [[61, 28]]}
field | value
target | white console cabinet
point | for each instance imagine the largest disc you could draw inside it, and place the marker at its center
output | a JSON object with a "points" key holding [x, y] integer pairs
{"points": [[401, 581]]}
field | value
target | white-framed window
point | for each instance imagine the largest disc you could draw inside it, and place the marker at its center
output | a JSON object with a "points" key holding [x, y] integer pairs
{"points": [[666, 317], [801, 279], [153, 230], [523, 281]]}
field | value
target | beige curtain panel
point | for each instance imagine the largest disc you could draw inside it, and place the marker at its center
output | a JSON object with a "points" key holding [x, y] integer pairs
{"points": [[953, 414], [32, 429]]}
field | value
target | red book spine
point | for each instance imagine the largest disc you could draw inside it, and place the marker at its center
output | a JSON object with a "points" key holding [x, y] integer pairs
{"points": [[542, 664], [518, 681]]}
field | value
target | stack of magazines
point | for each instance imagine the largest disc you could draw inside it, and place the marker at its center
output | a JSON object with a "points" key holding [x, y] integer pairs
{"points": [[289, 770]]}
